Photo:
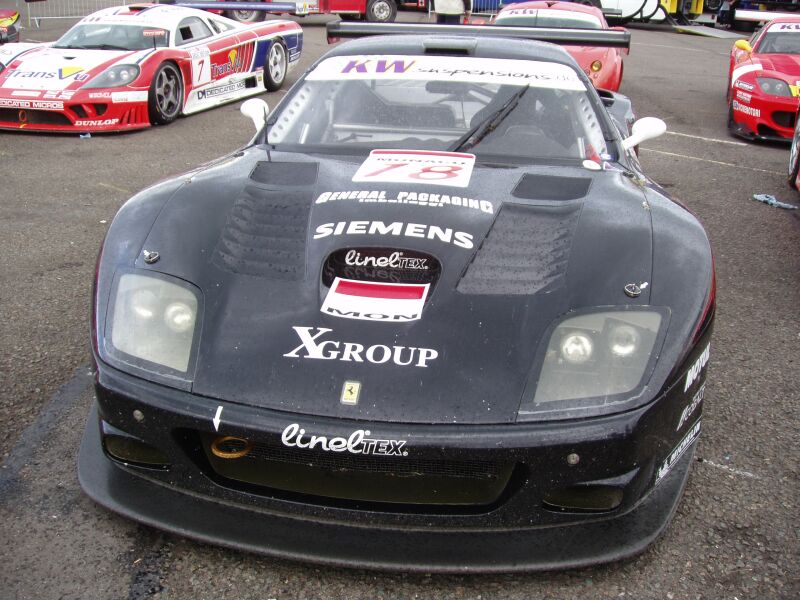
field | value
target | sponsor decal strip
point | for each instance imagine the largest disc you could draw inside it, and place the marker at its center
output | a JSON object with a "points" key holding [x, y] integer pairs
{"points": [[449, 68], [375, 301], [32, 104], [689, 410], [313, 347], [420, 167], [357, 442], [447, 235], [747, 110], [677, 452], [694, 371], [413, 198]]}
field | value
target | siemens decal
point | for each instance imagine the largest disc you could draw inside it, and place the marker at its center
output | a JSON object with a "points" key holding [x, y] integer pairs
{"points": [[396, 229]]}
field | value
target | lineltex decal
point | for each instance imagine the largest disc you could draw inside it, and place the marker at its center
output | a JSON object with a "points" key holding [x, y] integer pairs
{"points": [[417, 166], [356, 443], [375, 301], [314, 347], [395, 260], [694, 371], [397, 229], [412, 198], [676, 454]]}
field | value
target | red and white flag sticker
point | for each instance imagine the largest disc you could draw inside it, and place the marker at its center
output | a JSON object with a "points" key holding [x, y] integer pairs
{"points": [[428, 167], [374, 301]]}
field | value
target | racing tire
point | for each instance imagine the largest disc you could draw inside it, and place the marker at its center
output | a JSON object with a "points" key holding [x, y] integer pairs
{"points": [[165, 100], [276, 67], [794, 158], [381, 11], [246, 16]]}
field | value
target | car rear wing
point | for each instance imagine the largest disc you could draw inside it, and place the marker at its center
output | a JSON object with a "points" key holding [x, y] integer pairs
{"points": [[615, 38], [292, 8]]}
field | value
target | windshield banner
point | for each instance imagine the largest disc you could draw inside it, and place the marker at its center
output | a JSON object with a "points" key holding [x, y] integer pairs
{"points": [[449, 68]]}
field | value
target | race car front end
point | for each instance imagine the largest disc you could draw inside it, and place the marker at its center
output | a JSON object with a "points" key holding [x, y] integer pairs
{"points": [[763, 105], [425, 352], [45, 89], [394, 496]]}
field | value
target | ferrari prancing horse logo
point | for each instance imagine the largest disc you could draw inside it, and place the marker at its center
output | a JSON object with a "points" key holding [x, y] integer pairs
{"points": [[350, 391]]}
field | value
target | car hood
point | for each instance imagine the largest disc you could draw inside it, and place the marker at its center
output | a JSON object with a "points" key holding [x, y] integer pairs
{"points": [[46, 68], [787, 64], [504, 258]]}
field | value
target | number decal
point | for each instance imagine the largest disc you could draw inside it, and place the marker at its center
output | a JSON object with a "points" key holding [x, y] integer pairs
{"points": [[436, 172], [201, 66], [417, 166]]}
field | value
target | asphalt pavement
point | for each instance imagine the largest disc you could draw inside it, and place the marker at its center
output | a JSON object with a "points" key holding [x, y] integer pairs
{"points": [[735, 535]]}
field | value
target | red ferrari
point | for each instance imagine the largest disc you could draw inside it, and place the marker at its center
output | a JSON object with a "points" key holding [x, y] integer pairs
{"points": [[764, 82], [602, 65]]}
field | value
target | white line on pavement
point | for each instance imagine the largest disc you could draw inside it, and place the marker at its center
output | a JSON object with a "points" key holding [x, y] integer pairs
{"points": [[705, 139], [730, 469], [716, 162]]}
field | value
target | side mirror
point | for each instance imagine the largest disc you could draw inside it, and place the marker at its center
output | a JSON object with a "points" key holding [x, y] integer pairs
{"points": [[256, 110], [743, 45], [644, 129]]}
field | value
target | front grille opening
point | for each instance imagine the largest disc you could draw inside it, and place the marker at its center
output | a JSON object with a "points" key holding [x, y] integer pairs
{"points": [[784, 118], [100, 109], [33, 117], [341, 477], [584, 498], [78, 110]]}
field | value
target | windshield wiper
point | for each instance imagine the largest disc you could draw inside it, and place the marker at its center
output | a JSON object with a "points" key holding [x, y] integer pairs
{"points": [[475, 134]]}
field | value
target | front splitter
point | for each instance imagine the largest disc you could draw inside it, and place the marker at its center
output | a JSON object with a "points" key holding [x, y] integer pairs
{"points": [[343, 544]]}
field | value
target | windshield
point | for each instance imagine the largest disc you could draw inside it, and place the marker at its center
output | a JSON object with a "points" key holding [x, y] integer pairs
{"points": [[104, 36], [503, 108], [532, 17], [780, 38]]}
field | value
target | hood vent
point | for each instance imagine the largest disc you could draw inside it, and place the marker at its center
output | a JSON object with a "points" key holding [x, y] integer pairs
{"points": [[265, 235], [285, 173], [549, 187], [526, 251]]}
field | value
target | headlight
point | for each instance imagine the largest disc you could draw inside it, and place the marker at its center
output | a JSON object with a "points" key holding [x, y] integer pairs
{"points": [[114, 77], [773, 87], [595, 359], [153, 319]]}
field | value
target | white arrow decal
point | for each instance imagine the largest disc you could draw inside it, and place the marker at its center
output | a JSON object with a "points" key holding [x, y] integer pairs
{"points": [[217, 419]]}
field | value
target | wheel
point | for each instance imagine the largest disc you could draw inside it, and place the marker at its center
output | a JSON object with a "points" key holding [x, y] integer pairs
{"points": [[381, 11], [794, 158], [165, 100], [246, 16], [713, 5], [276, 67]]}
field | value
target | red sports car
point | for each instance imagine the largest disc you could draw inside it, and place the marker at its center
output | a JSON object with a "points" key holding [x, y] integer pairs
{"points": [[602, 65], [134, 66], [764, 80]]}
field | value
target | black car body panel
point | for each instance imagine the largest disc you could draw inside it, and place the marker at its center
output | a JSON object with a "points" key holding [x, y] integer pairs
{"points": [[440, 444]]}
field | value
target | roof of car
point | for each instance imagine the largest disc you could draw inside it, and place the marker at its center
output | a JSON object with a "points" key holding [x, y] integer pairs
{"points": [[567, 6], [150, 15]]}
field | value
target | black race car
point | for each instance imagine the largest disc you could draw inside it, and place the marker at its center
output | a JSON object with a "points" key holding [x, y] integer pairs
{"points": [[433, 317]]}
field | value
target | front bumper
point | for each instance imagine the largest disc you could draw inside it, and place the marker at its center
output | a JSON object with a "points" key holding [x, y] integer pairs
{"points": [[641, 453], [94, 111], [428, 549], [756, 116]]}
